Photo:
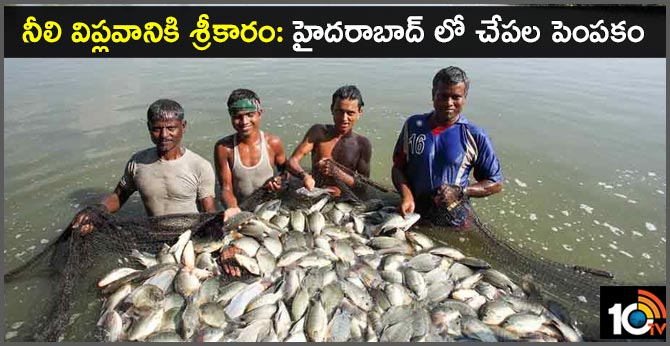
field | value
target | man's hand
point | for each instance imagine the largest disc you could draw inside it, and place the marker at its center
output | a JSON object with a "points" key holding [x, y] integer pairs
{"points": [[308, 182], [82, 222], [448, 194], [325, 168], [230, 212], [274, 184], [406, 206], [227, 261], [334, 190], [328, 169]]}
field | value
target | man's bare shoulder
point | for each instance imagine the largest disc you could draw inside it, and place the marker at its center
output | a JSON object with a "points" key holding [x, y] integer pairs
{"points": [[361, 139], [223, 149], [318, 132], [226, 142], [273, 141]]}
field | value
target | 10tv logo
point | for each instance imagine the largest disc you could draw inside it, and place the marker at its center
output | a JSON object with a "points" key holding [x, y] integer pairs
{"points": [[632, 312]]}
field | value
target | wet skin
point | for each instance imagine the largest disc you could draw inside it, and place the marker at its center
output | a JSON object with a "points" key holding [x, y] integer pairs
{"points": [[337, 142]]}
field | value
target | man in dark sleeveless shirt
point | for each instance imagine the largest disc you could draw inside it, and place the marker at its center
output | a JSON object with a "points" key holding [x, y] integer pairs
{"points": [[337, 142]]}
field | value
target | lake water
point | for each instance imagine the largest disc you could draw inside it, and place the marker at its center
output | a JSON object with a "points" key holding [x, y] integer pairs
{"points": [[581, 142]]}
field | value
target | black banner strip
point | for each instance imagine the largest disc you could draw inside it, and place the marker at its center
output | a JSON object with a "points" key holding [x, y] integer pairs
{"points": [[335, 31]]}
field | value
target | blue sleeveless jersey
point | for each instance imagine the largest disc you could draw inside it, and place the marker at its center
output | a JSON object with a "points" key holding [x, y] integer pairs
{"points": [[432, 160]]}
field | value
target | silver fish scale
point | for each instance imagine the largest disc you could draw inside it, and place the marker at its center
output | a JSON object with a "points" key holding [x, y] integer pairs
{"points": [[424, 262]]}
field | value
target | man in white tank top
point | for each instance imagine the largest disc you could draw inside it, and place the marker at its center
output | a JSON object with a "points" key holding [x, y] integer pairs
{"points": [[170, 178], [245, 160]]}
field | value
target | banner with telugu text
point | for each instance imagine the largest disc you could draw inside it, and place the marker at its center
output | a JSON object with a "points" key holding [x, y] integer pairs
{"points": [[349, 31]]}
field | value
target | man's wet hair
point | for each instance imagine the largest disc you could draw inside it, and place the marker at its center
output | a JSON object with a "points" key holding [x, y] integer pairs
{"points": [[165, 109], [451, 75], [241, 94], [348, 92]]}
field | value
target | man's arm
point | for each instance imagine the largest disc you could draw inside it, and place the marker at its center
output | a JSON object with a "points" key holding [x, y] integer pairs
{"points": [[208, 204], [483, 188], [279, 161], [111, 203], [398, 177], [487, 171], [115, 200], [224, 174], [303, 149], [363, 166], [407, 204]]}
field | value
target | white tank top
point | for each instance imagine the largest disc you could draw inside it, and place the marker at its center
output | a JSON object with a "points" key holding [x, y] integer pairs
{"points": [[247, 179]]}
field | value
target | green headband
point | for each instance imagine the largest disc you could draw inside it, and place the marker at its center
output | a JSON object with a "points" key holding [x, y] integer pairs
{"points": [[244, 105]]}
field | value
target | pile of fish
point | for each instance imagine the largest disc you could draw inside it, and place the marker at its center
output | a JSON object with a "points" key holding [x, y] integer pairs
{"points": [[329, 272]]}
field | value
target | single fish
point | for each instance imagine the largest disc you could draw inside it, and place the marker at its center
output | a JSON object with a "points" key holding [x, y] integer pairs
{"points": [[273, 245], [319, 205], [213, 314], [476, 329], [178, 248], [115, 275], [316, 222], [316, 322], [163, 280], [145, 259], [495, 312], [523, 323], [164, 336], [147, 297], [146, 326], [248, 263], [240, 301], [282, 320], [112, 325], [186, 283], [298, 221]]}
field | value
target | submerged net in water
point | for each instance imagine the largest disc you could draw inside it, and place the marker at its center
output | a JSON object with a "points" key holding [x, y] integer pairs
{"points": [[82, 260], [575, 288]]}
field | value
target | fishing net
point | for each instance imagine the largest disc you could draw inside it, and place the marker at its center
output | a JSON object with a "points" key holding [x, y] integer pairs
{"points": [[79, 261], [573, 290], [361, 193]]}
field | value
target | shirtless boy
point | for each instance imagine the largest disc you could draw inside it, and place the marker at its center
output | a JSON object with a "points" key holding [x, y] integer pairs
{"points": [[337, 142]]}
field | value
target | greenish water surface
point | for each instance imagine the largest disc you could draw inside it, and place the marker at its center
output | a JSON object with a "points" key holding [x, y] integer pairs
{"points": [[581, 142]]}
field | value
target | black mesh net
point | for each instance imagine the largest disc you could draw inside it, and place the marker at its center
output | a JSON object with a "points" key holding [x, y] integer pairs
{"points": [[79, 261], [575, 289]]}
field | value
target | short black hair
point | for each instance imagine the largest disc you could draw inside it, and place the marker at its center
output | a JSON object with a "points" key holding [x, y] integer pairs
{"points": [[348, 92], [165, 109], [450, 76], [241, 94]]}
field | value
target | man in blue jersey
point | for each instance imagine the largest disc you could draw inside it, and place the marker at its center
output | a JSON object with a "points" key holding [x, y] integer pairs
{"points": [[436, 151]]}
